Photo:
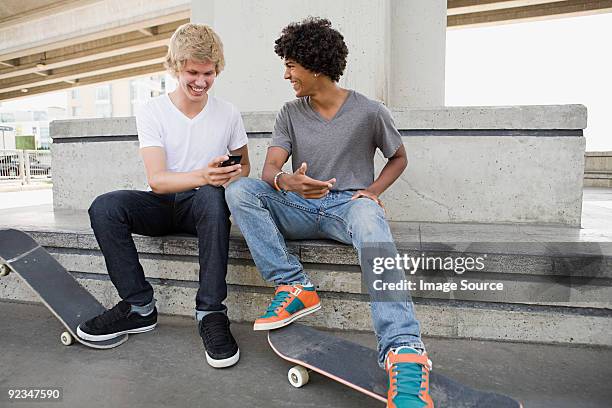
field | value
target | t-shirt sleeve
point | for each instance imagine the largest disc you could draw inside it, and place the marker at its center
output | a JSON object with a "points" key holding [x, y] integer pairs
{"points": [[148, 128], [280, 134], [238, 136], [387, 137]]}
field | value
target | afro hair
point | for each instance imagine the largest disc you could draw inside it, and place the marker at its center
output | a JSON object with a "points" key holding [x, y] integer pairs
{"points": [[316, 46]]}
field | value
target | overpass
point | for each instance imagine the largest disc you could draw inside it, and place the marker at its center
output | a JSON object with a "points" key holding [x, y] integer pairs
{"points": [[50, 45]]}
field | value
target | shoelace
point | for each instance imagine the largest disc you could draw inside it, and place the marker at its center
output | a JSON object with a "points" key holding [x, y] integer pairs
{"points": [[408, 380], [216, 332], [110, 316], [278, 301]]}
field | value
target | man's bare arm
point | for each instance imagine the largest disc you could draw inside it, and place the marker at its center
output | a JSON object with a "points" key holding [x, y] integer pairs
{"points": [[276, 157], [297, 182], [163, 181], [392, 170]]}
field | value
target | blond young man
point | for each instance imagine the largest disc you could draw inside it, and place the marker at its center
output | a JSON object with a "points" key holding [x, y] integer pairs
{"points": [[184, 138]]}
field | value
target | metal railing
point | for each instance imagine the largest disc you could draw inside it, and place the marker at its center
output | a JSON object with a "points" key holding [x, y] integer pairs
{"points": [[25, 165]]}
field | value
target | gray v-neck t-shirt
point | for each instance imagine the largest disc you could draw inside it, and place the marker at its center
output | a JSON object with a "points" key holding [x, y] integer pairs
{"points": [[342, 147]]}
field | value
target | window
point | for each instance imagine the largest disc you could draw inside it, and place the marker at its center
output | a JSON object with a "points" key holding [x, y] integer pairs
{"points": [[45, 139], [75, 94], [103, 93], [40, 116], [104, 107], [76, 111], [104, 110], [140, 92], [7, 117]]}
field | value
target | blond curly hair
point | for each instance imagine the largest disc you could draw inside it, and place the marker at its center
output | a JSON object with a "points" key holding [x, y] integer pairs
{"points": [[198, 42]]}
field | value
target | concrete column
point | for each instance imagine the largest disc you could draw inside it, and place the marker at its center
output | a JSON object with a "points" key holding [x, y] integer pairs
{"points": [[203, 12], [417, 48], [396, 48], [253, 77]]}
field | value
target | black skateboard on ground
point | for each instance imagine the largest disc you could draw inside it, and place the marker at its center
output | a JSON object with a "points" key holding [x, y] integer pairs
{"points": [[70, 302], [356, 366]]}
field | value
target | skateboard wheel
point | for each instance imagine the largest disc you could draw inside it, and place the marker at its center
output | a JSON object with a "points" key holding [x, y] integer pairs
{"points": [[298, 376], [4, 270], [66, 339]]}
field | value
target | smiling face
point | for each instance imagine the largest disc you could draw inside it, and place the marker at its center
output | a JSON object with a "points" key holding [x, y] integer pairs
{"points": [[302, 80], [195, 79]]}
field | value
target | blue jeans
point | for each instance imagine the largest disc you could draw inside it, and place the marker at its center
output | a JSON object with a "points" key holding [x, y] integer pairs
{"points": [[116, 215], [267, 217]]}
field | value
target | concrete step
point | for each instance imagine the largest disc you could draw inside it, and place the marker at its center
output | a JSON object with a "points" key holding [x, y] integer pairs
{"points": [[598, 178], [452, 319], [526, 288], [559, 274], [172, 268], [598, 162]]}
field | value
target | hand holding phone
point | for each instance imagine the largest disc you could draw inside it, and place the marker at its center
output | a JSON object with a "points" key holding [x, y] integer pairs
{"points": [[231, 161], [219, 171]]}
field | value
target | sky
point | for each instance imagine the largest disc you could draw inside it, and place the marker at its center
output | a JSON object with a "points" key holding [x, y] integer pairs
{"points": [[561, 61], [37, 101]]}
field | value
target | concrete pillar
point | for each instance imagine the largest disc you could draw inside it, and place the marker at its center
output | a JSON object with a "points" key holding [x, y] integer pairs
{"points": [[203, 12], [416, 53], [380, 35]]}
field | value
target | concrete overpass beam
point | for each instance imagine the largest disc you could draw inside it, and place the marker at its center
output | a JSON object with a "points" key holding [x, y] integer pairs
{"points": [[546, 11], [92, 21]]}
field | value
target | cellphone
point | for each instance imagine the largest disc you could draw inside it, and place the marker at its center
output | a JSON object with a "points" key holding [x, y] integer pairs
{"points": [[231, 161]]}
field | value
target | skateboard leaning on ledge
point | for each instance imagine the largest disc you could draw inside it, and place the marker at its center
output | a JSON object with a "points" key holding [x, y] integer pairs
{"points": [[70, 302], [356, 367]]}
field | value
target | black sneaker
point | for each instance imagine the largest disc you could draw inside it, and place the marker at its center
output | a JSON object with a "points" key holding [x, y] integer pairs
{"points": [[115, 322], [221, 348]]}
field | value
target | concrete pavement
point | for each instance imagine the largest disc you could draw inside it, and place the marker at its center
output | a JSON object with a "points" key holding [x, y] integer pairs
{"points": [[166, 368]]}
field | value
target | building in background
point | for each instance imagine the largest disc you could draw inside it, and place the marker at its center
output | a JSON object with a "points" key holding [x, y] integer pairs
{"points": [[113, 99], [30, 127]]}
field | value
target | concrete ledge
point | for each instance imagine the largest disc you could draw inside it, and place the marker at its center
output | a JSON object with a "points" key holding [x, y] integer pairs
{"points": [[450, 118], [494, 117], [598, 180], [598, 169], [466, 164], [598, 161]]}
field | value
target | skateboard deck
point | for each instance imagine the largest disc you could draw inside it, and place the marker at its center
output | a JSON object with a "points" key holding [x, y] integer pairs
{"points": [[70, 302], [357, 367]]}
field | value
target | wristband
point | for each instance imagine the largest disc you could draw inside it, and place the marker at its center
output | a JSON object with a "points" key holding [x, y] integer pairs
{"points": [[276, 186]]}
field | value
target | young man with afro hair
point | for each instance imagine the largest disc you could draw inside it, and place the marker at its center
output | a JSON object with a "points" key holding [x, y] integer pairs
{"points": [[332, 135]]}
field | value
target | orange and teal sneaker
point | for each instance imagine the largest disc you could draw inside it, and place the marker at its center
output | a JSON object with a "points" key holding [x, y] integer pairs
{"points": [[290, 302], [408, 379]]}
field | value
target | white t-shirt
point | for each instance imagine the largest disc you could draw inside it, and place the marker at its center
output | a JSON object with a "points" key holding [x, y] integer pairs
{"points": [[190, 144]]}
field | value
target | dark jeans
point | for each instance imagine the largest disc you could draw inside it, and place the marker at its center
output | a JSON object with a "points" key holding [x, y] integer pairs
{"points": [[116, 215]]}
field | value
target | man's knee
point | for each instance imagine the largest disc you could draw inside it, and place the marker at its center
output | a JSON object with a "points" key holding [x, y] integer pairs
{"points": [[243, 190], [108, 205], [211, 200], [367, 221]]}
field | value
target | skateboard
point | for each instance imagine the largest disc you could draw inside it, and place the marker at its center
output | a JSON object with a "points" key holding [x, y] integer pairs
{"points": [[70, 302], [356, 366]]}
